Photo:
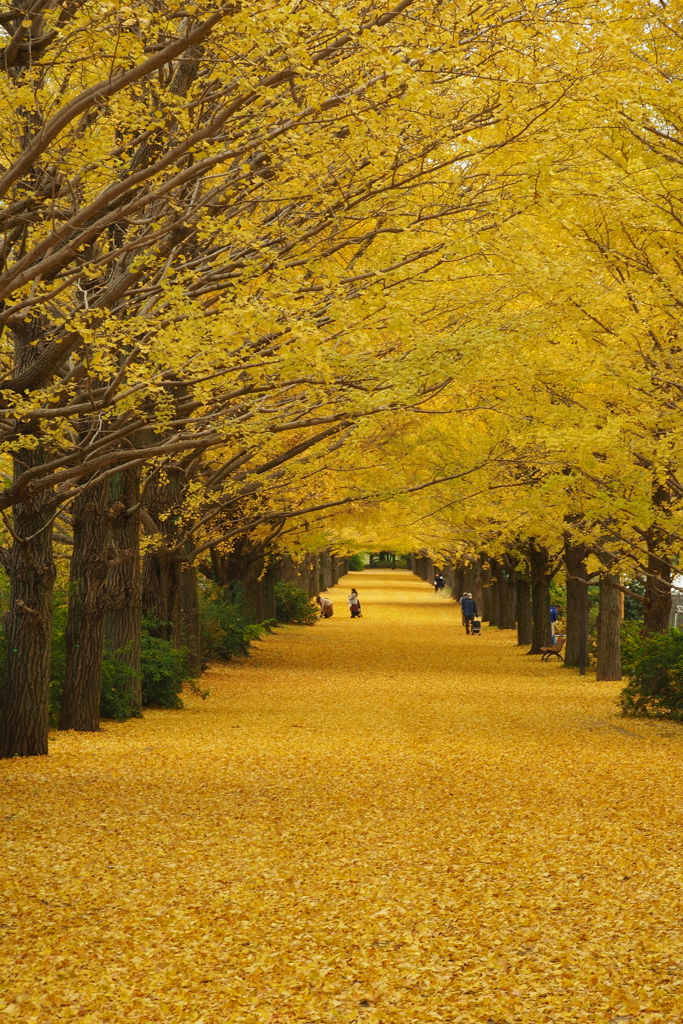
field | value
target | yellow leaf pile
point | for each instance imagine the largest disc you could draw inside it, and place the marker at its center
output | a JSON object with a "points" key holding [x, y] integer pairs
{"points": [[380, 820]]}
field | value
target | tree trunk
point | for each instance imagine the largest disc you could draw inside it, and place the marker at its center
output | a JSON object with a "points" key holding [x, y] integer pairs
{"points": [[458, 582], [609, 630], [486, 609], [187, 632], [657, 603], [28, 622], [539, 558], [162, 566], [507, 617], [524, 619], [161, 590], [85, 624], [494, 570], [577, 603], [123, 616]]}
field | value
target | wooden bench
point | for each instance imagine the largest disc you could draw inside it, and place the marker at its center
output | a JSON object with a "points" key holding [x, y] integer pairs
{"points": [[556, 649]]}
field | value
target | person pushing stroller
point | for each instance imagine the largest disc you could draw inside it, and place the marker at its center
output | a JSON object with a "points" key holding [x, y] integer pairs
{"points": [[469, 610]]}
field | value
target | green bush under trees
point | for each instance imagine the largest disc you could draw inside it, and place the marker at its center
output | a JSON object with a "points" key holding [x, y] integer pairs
{"points": [[292, 604], [226, 632], [654, 666], [226, 629], [355, 563]]}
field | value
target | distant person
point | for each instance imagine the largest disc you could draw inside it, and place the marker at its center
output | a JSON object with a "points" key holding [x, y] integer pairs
{"points": [[554, 616], [463, 598], [439, 583], [469, 610], [354, 603], [326, 607]]}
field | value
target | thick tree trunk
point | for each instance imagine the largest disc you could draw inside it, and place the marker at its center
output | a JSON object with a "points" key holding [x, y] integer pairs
{"points": [[325, 570], [507, 594], [163, 566], [657, 603], [85, 625], [577, 604], [609, 630], [28, 623], [458, 582], [486, 609], [123, 615], [494, 592], [161, 572], [539, 559], [524, 619], [477, 586], [30, 568]]}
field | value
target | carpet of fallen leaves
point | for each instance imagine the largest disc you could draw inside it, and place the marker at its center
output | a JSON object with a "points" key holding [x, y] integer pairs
{"points": [[380, 820]]}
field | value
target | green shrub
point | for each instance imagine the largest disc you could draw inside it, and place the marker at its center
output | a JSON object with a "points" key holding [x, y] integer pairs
{"points": [[115, 702], [356, 563], [292, 604], [631, 644], [225, 629], [164, 670], [654, 664]]}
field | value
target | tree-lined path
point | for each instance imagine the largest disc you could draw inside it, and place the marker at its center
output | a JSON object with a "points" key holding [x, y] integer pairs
{"points": [[380, 820]]}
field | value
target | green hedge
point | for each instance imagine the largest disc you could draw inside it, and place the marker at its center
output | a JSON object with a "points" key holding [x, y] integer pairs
{"points": [[292, 604], [226, 631], [654, 666]]}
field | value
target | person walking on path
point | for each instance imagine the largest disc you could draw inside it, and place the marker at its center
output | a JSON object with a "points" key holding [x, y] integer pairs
{"points": [[354, 603], [554, 616], [439, 583], [326, 607], [463, 598], [469, 610]]}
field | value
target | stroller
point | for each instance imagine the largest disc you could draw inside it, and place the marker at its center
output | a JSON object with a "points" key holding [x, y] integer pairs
{"points": [[476, 627]]}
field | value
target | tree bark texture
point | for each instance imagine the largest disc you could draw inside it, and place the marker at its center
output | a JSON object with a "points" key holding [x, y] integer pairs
{"points": [[81, 694], [28, 622], [123, 615], [486, 609], [507, 594], [657, 603], [523, 603], [494, 592], [577, 602], [539, 560], [609, 630]]}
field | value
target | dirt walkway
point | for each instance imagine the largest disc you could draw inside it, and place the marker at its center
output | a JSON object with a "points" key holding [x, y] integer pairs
{"points": [[379, 820]]}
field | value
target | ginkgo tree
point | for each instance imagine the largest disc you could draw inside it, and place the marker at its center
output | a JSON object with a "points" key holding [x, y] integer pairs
{"points": [[189, 196]]}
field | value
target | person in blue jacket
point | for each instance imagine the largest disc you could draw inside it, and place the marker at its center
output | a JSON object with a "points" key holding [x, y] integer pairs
{"points": [[469, 610]]}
